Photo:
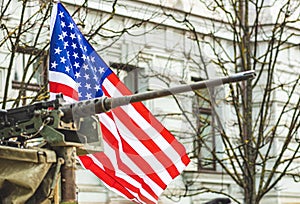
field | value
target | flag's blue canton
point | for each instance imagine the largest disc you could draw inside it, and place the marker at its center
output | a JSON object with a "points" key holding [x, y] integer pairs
{"points": [[70, 53]]}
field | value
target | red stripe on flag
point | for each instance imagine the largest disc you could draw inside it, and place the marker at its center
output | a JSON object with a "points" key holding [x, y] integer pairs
{"points": [[118, 84], [136, 158], [145, 113], [106, 175], [109, 176], [107, 135], [55, 87], [178, 147], [147, 142]]}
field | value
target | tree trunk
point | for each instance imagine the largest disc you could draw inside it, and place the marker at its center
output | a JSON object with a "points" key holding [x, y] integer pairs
{"points": [[249, 154]]}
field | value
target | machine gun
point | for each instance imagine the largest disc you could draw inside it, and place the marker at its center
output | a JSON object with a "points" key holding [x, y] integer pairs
{"points": [[60, 127], [61, 124]]}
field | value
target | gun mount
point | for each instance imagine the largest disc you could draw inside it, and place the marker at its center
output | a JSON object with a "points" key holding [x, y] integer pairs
{"points": [[49, 134]]}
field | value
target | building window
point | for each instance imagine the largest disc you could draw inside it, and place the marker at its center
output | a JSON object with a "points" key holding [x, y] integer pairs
{"points": [[34, 65], [30, 77], [132, 76], [204, 143]]}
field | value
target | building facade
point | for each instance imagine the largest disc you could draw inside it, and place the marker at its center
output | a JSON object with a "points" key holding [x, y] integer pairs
{"points": [[158, 44]]}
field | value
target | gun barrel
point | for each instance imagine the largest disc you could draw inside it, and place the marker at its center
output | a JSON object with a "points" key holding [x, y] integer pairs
{"points": [[119, 101], [104, 104]]}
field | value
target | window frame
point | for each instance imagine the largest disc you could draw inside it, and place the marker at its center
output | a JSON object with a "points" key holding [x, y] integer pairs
{"points": [[128, 68], [208, 112], [41, 56]]}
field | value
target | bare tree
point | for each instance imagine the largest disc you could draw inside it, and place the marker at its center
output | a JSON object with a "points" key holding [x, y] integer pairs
{"points": [[242, 37], [18, 39], [238, 36]]}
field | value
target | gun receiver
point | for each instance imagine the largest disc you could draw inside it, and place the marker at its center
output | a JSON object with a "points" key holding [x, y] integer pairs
{"points": [[61, 124]]}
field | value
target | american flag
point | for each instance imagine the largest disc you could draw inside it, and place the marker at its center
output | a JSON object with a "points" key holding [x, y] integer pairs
{"points": [[141, 157]]}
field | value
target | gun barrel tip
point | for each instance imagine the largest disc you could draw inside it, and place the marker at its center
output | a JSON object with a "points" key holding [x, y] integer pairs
{"points": [[250, 73]]}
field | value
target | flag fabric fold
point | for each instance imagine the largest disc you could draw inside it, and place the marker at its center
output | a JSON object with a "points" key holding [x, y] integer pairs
{"points": [[141, 157]]}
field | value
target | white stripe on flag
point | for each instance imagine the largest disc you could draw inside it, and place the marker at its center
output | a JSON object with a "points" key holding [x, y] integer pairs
{"points": [[62, 78], [159, 140], [110, 152], [144, 153], [109, 124]]}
